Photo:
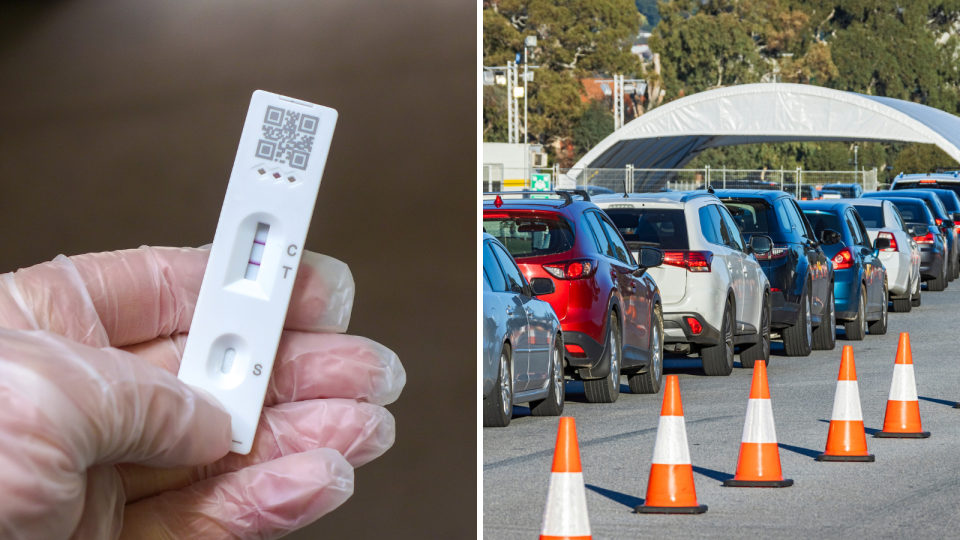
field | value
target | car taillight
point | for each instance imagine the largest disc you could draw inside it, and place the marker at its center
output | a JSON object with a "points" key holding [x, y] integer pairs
{"points": [[695, 326], [893, 241], [925, 239], [928, 181], [575, 350], [578, 269], [843, 259], [693, 261], [939, 222], [779, 251]]}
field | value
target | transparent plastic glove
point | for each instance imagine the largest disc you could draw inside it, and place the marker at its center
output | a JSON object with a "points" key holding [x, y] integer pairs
{"points": [[96, 431]]}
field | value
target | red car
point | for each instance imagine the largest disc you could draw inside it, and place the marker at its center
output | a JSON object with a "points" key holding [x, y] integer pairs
{"points": [[608, 305]]}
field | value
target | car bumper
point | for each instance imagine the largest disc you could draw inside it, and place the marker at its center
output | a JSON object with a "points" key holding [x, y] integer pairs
{"points": [[783, 313], [676, 329], [898, 275], [588, 366], [846, 293], [931, 263]]}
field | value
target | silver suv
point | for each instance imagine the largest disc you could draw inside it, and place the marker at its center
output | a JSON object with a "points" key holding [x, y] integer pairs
{"points": [[715, 295]]}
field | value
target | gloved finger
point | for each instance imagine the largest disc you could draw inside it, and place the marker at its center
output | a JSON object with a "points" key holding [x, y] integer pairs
{"points": [[106, 405], [263, 501], [361, 432], [310, 366], [124, 297], [51, 296]]}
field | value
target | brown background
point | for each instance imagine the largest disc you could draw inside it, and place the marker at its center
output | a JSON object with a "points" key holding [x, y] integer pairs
{"points": [[119, 123]]}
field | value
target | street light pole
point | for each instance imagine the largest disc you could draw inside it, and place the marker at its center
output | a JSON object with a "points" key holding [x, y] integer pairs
{"points": [[855, 168]]}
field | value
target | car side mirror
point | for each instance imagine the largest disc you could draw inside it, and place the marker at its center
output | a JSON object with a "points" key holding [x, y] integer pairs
{"points": [[829, 237], [542, 286], [761, 244], [919, 230], [947, 224], [881, 244], [650, 257]]}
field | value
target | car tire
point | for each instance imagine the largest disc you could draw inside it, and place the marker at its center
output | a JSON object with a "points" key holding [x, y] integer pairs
{"points": [[879, 327], [857, 328], [649, 382], [498, 409], [937, 284], [761, 349], [718, 359], [607, 389], [825, 335], [916, 298], [903, 305], [553, 404], [798, 339]]}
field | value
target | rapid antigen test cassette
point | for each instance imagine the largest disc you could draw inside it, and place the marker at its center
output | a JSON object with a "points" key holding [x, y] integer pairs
{"points": [[256, 250]]}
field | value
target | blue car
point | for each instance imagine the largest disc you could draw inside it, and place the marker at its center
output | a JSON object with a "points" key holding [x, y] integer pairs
{"points": [[860, 280], [848, 191], [943, 218], [522, 341]]}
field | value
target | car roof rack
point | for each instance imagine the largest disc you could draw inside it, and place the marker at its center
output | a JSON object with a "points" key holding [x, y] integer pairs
{"points": [[567, 194]]}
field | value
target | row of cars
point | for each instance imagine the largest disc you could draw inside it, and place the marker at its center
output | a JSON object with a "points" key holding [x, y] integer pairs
{"points": [[592, 288]]}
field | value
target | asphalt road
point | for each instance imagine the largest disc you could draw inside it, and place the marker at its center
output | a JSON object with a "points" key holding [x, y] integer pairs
{"points": [[911, 491]]}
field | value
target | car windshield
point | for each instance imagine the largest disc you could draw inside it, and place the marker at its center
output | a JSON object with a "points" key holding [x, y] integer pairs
{"points": [[820, 221], [751, 216], [530, 236], [872, 216], [849, 192], [660, 228], [913, 212]]}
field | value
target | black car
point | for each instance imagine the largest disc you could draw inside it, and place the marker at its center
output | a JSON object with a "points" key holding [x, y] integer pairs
{"points": [[944, 221], [947, 195], [800, 274], [929, 237]]}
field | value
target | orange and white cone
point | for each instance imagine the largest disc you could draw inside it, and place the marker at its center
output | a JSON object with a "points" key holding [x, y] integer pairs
{"points": [[846, 440], [902, 420], [759, 461], [565, 517], [670, 489]]}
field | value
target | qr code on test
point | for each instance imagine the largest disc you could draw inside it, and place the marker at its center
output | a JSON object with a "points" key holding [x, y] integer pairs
{"points": [[287, 137]]}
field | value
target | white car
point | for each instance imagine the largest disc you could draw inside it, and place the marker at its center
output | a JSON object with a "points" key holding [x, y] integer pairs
{"points": [[902, 258], [715, 295]]}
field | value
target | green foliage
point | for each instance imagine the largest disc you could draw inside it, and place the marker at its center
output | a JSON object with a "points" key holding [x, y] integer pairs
{"points": [[594, 126], [575, 39], [495, 113], [923, 158], [648, 8]]}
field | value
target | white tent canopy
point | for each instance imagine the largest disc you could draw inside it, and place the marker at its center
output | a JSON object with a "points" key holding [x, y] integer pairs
{"points": [[670, 136]]}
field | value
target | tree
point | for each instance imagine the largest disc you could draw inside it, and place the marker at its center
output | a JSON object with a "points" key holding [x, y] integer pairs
{"points": [[575, 38], [595, 124], [648, 8], [923, 158]]}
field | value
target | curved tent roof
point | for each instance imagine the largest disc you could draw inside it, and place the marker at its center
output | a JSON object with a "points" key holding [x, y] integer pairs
{"points": [[668, 137]]}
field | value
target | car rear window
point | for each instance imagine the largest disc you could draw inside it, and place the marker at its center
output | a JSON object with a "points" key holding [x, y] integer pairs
{"points": [[952, 186], [848, 192], [914, 212], [531, 236], [752, 217], [872, 216], [659, 228], [821, 221]]}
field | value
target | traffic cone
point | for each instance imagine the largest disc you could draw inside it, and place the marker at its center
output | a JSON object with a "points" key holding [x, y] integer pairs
{"points": [[759, 461], [902, 420], [565, 517], [670, 489], [846, 440]]}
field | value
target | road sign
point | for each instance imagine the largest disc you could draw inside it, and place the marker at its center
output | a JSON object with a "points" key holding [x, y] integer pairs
{"points": [[540, 182]]}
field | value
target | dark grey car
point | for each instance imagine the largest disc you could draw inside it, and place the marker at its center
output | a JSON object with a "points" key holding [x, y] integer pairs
{"points": [[522, 341]]}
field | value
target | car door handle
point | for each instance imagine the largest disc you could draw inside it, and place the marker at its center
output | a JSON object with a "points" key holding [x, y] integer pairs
{"points": [[529, 311], [509, 311]]}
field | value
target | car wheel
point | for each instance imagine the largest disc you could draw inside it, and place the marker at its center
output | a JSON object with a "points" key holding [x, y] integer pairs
{"points": [[718, 359], [649, 381], [857, 328], [879, 327], [939, 283], [607, 389], [825, 335], [761, 349], [498, 409], [798, 339], [915, 298], [902, 305], [553, 404]]}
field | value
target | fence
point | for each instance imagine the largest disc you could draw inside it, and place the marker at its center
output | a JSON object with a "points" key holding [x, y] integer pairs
{"points": [[796, 181]]}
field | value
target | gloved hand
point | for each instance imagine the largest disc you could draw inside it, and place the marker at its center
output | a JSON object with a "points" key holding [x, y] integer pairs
{"points": [[100, 440]]}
